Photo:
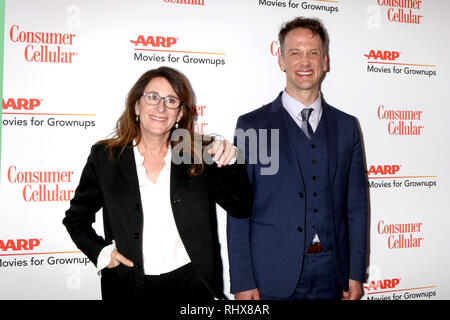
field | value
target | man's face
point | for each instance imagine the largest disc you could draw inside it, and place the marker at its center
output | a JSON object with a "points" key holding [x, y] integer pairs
{"points": [[304, 62]]}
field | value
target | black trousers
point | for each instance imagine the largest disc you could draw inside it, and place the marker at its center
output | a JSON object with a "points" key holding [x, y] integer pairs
{"points": [[181, 284]]}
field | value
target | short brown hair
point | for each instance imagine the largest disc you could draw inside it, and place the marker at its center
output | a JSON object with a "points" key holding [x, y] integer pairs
{"points": [[315, 25]]}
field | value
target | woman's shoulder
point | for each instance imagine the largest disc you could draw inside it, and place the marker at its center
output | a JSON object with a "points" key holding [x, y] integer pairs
{"points": [[107, 148]]}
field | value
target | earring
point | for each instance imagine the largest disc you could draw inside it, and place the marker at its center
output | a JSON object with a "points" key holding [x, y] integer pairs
{"points": [[137, 118], [176, 125]]}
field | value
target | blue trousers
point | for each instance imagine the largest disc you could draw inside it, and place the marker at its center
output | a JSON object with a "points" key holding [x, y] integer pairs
{"points": [[317, 281]]}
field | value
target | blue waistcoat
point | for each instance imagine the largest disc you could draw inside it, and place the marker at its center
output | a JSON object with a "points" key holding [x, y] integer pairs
{"points": [[312, 159]]}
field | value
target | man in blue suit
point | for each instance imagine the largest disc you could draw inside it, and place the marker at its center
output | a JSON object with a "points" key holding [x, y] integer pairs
{"points": [[307, 236]]}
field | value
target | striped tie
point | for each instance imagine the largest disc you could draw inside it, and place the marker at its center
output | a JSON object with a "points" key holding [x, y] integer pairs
{"points": [[305, 126]]}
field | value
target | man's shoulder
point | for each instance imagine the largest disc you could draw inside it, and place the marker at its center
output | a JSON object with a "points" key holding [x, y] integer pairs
{"points": [[339, 114], [258, 115]]}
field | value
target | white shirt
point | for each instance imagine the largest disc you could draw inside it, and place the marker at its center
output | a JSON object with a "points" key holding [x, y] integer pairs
{"points": [[295, 107], [163, 250]]}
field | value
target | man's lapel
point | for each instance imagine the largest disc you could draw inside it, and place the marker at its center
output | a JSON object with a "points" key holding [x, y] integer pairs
{"points": [[329, 115], [278, 121]]}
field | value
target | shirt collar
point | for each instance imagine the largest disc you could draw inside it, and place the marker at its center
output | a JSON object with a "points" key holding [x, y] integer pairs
{"points": [[139, 160], [295, 107]]}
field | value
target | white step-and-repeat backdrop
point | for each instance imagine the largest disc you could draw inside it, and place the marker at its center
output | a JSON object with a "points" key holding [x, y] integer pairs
{"points": [[68, 65]]}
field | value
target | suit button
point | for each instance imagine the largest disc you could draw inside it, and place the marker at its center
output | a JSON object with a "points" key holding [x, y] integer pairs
{"points": [[137, 265], [314, 162], [315, 194], [313, 146], [136, 207], [176, 201], [299, 229], [315, 210], [136, 236], [300, 195], [314, 178]]}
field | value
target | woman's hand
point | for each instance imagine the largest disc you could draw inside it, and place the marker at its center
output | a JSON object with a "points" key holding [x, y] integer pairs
{"points": [[117, 258], [222, 152]]}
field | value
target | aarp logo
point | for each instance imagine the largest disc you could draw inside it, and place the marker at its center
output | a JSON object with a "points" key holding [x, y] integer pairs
{"points": [[21, 103], [383, 55], [382, 284], [154, 41], [19, 244], [385, 169]]}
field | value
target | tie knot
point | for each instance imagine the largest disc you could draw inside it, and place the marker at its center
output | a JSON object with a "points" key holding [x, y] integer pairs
{"points": [[306, 113]]}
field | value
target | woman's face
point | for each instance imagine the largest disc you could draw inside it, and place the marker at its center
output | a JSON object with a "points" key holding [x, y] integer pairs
{"points": [[158, 120]]}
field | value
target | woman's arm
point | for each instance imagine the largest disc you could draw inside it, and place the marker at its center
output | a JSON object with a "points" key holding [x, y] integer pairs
{"points": [[84, 205]]}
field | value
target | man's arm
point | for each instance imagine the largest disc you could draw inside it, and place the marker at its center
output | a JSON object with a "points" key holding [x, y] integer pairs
{"points": [[239, 245], [357, 218]]}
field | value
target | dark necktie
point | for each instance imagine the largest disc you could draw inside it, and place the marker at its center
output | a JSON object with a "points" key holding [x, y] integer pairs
{"points": [[305, 126]]}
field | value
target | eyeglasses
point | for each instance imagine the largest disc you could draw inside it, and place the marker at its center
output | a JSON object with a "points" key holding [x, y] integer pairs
{"points": [[152, 99]]}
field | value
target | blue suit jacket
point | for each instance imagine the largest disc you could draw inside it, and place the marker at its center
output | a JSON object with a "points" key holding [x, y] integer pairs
{"points": [[266, 250]]}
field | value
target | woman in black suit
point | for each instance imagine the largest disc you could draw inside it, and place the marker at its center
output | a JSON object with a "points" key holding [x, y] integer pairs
{"points": [[158, 195]]}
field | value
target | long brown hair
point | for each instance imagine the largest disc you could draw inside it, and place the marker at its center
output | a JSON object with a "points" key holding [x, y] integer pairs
{"points": [[128, 129]]}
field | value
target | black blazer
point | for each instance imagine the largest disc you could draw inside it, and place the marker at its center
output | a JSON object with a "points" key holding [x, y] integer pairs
{"points": [[113, 186]]}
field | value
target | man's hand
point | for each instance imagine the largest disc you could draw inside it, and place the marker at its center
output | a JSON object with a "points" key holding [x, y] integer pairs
{"points": [[248, 295], [117, 258], [222, 152], [355, 290]]}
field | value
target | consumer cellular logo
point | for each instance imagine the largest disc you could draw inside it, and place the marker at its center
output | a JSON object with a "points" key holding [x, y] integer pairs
{"points": [[403, 11], [275, 49], [401, 121], [42, 186], [48, 47], [189, 2], [401, 235]]}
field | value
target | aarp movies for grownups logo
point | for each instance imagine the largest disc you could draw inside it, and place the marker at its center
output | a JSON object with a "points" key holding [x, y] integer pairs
{"points": [[393, 289], [392, 176], [330, 6], [396, 62], [161, 48], [20, 253], [33, 112]]}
